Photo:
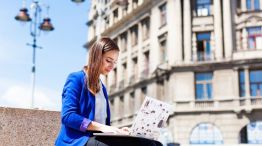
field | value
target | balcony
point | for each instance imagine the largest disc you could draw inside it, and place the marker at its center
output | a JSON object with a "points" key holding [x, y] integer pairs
{"points": [[235, 104], [203, 56]]}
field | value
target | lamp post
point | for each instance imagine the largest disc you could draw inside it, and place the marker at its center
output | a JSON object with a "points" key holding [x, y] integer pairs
{"points": [[35, 29]]}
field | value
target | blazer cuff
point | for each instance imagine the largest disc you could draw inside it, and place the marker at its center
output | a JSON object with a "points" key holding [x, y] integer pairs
{"points": [[84, 124]]}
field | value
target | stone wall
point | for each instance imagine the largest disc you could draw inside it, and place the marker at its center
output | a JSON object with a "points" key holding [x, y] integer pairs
{"points": [[27, 127]]}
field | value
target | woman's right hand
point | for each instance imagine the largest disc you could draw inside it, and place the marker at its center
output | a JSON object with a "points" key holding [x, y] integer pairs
{"points": [[115, 130]]}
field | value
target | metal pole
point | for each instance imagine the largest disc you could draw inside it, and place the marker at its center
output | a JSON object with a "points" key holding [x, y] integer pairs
{"points": [[34, 34]]}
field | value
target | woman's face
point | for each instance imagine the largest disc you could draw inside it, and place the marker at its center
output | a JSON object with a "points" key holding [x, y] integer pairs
{"points": [[109, 61]]}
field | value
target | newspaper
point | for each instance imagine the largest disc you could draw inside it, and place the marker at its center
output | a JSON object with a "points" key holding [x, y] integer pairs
{"points": [[151, 117]]}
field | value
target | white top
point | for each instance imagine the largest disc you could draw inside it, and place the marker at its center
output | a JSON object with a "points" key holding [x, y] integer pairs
{"points": [[100, 107]]}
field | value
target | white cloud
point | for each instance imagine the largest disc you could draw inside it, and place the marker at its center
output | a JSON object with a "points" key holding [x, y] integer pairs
{"points": [[20, 97]]}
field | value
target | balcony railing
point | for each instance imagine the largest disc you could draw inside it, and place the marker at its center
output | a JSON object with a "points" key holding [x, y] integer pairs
{"points": [[203, 56], [234, 104]]}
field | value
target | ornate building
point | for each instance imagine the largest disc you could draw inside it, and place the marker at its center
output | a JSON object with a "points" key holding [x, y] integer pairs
{"points": [[202, 56]]}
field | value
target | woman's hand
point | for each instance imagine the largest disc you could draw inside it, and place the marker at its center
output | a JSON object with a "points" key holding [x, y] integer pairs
{"points": [[126, 129], [115, 130]]}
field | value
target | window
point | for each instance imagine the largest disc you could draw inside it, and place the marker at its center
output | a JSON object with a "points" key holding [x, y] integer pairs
{"points": [[124, 75], [112, 107], [254, 37], [242, 83], [132, 102], [115, 76], [163, 17], [204, 85], [145, 28], [134, 35], [106, 22], [121, 106], [135, 68], [206, 133], [163, 47], [203, 7], [115, 15], [160, 89], [252, 5], [255, 83], [146, 65], [163, 51], [115, 40], [203, 46], [135, 3], [123, 42], [251, 133], [255, 79]]}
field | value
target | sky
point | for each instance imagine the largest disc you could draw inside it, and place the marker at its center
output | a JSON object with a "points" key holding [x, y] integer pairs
{"points": [[62, 54]]}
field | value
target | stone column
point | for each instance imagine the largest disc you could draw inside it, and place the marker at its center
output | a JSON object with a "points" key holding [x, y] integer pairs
{"points": [[194, 47], [238, 41], [129, 57], [228, 32], [244, 39], [187, 31], [174, 24], [260, 2], [140, 63], [213, 46], [218, 30], [243, 6]]}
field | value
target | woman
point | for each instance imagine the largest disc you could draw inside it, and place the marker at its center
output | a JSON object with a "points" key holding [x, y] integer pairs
{"points": [[85, 106]]}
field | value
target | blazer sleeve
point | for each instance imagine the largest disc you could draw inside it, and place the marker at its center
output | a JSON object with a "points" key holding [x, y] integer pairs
{"points": [[70, 104]]}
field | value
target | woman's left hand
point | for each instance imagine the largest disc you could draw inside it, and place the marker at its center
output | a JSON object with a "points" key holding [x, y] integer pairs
{"points": [[126, 130]]}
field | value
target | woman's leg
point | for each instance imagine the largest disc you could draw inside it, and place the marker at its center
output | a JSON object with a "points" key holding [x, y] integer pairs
{"points": [[93, 142]]}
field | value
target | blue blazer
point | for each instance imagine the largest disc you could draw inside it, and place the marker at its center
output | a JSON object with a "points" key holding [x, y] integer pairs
{"points": [[78, 110]]}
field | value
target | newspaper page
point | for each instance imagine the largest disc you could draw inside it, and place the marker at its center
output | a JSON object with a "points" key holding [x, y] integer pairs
{"points": [[151, 117]]}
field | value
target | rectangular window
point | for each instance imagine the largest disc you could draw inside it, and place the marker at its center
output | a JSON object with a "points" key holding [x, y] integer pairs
{"points": [[134, 35], [132, 102], [115, 76], [145, 28], [163, 51], [163, 17], [135, 3], [106, 19], [115, 15], [242, 90], [134, 73], [123, 42], [124, 72], [203, 7], [255, 79], [146, 65], [204, 85], [203, 46], [252, 5], [254, 37], [121, 106]]}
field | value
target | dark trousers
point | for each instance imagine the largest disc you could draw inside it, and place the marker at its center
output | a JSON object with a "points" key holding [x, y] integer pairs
{"points": [[93, 142]]}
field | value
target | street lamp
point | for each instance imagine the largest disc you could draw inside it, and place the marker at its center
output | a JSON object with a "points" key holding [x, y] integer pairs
{"points": [[35, 29]]}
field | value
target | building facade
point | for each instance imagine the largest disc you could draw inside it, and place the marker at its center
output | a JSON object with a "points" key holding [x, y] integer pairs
{"points": [[202, 56]]}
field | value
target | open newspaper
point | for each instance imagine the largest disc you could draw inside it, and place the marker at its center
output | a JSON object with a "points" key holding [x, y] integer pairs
{"points": [[151, 117]]}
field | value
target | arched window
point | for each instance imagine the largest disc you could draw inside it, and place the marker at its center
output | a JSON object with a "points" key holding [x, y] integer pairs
{"points": [[251, 133], [206, 133]]}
